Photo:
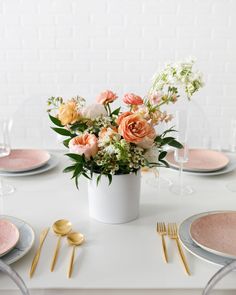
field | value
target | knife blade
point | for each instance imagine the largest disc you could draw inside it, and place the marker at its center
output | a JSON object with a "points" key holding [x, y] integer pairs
{"points": [[35, 260]]}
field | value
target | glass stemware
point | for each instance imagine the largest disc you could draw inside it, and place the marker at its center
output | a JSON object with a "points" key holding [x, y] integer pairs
{"points": [[181, 155], [5, 150]]}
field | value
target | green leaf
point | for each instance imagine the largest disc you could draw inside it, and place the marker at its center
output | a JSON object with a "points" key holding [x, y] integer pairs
{"points": [[116, 112], [162, 155], [69, 168], [62, 131], [171, 129], [76, 182], [76, 157], [78, 170], [165, 163], [79, 126], [66, 142], [175, 144], [167, 140], [85, 175], [99, 178], [109, 178], [55, 121], [158, 139]]}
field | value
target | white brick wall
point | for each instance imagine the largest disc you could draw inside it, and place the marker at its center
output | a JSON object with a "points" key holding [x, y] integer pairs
{"points": [[68, 47]]}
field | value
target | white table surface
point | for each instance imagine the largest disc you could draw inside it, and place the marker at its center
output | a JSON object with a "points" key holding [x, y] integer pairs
{"points": [[116, 259]]}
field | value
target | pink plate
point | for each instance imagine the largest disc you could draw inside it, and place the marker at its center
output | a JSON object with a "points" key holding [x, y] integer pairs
{"points": [[201, 160], [9, 236], [216, 233], [24, 160]]}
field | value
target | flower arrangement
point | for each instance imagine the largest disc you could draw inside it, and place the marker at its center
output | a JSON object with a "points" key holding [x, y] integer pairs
{"points": [[110, 142]]}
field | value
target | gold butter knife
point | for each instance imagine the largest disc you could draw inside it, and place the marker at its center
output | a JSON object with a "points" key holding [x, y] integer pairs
{"points": [[37, 254]]}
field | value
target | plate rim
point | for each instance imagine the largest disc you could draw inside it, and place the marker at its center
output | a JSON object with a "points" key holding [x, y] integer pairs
{"points": [[205, 247], [28, 248], [226, 259], [31, 168], [227, 169], [54, 157], [197, 170], [7, 251]]}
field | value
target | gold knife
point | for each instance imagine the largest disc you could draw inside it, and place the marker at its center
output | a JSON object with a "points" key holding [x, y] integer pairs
{"points": [[37, 254]]}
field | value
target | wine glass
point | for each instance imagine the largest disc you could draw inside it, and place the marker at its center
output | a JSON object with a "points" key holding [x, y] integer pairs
{"points": [[181, 155], [232, 185], [5, 150]]}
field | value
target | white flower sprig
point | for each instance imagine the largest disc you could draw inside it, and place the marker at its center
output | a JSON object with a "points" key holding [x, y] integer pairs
{"points": [[176, 77]]}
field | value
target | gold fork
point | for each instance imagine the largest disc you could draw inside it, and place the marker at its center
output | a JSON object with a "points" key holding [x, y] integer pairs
{"points": [[161, 229], [173, 234]]}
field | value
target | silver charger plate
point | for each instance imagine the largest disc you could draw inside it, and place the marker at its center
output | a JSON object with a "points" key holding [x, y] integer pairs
{"points": [[229, 168], [52, 163], [25, 242], [188, 243]]}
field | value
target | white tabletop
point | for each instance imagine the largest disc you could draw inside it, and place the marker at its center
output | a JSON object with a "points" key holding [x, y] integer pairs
{"points": [[124, 257]]}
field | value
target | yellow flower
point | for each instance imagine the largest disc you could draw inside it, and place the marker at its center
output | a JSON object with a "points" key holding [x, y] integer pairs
{"points": [[68, 113]]}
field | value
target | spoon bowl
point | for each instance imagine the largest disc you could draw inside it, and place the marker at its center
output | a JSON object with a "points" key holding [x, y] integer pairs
{"points": [[62, 227], [75, 238]]}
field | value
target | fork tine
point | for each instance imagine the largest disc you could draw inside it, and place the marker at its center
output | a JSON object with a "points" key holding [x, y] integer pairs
{"points": [[161, 226], [164, 227]]}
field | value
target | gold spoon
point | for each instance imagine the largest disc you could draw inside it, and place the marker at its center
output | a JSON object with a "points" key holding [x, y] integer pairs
{"points": [[61, 228], [74, 239]]}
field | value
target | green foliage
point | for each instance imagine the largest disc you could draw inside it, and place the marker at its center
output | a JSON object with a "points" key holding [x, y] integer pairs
{"points": [[55, 121], [62, 131]]}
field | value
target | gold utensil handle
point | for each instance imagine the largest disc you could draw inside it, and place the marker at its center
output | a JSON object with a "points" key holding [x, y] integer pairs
{"points": [[35, 261], [71, 262], [164, 248], [54, 260], [42, 238], [182, 256]]}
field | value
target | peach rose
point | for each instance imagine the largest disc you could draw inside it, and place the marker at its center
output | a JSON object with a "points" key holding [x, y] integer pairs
{"points": [[136, 129], [68, 113], [130, 98], [86, 144], [106, 97], [122, 116]]}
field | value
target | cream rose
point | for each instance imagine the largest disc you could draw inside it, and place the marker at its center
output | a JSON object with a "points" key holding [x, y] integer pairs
{"points": [[93, 111], [86, 144], [68, 113]]}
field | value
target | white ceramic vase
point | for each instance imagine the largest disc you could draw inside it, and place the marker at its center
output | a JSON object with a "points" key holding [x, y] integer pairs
{"points": [[117, 202]]}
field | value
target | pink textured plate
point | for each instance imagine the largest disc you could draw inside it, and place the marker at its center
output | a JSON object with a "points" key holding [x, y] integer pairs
{"points": [[24, 160], [9, 236], [216, 233], [201, 160]]}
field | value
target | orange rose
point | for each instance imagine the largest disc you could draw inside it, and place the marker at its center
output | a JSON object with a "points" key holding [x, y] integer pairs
{"points": [[106, 97], [135, 129], [68, 113], [86, 144], [122, 116]]}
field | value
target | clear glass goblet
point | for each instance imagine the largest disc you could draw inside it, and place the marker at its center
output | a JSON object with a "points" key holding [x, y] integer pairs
{"points": [[5, 149], [181, 155]]}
